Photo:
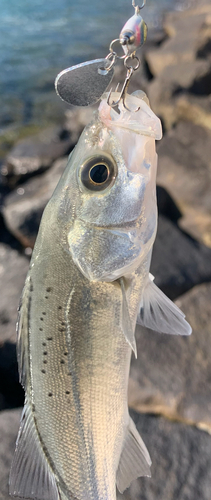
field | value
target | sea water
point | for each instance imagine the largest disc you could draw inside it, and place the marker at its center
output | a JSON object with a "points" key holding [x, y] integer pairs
{"points": [[40, 38]]}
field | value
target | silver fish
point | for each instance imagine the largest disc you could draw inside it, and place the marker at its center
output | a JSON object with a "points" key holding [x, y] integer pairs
{"points": [[87, 283]]}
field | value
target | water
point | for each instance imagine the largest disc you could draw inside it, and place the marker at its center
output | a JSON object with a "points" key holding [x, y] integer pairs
{"points": [[39, 38]]}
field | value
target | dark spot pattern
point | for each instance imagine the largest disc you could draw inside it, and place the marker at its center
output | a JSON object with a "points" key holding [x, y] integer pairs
{"points": [[50, 394], [45, 353], [49, 289], [43, 371], [41, 329]]}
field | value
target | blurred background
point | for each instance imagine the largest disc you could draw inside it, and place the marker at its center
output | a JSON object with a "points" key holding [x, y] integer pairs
{"points": [[169, 388]]}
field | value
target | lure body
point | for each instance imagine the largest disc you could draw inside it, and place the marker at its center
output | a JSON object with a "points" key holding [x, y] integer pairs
{"points": [[87, 282], [133, 34]]}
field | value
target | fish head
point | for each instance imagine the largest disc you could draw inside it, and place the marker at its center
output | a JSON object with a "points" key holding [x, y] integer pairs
{"points": [[109, 192]]}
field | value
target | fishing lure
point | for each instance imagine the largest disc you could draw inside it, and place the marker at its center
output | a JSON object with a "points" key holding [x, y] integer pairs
{"points": [[87, 286], [85, 83]]}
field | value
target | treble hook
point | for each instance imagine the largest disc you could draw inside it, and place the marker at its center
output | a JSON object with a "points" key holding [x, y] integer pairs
{"points": [[123, 92]]}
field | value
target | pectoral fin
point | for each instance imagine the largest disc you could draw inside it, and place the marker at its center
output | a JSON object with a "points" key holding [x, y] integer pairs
{"points": [[134, 461], [159, 313], [127, 327], [31, 475]]}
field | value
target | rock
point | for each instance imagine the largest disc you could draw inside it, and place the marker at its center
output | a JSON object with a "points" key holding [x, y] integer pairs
{"points": [[13, 269], [36, 153], [24, 207], [171, 375], [181, 461], [9, 425], [184, 170], [178, 261], [165, 91], [11, 392], [196, 109], [184, 29]]}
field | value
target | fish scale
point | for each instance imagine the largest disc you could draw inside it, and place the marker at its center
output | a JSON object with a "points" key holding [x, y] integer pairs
{"points": [[94, 364]]}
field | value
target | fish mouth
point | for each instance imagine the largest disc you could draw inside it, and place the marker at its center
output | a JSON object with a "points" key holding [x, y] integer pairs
{"points": [[142, 122], [123, 227]]}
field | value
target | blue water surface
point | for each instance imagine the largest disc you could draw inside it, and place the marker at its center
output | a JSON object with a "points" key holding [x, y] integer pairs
{"points": [[40, 38]]}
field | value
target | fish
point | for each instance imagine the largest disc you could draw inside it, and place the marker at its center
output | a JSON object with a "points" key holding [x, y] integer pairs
{"points": [[88, 284]]}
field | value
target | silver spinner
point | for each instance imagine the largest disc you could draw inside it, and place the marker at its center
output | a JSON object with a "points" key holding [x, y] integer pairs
{"points": [[84, 84]]}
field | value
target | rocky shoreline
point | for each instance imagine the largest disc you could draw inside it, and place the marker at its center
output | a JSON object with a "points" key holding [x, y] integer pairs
{"points": [[169, 390]]}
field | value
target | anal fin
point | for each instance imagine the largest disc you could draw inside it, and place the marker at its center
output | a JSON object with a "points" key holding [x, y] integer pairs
{"points": [[134, 460], [160, 314], [31, 475]]}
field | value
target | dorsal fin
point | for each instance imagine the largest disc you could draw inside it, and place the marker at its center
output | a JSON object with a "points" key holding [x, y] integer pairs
{"points": [[31, 475], [22, 332], [160, 314], [134, 461]]}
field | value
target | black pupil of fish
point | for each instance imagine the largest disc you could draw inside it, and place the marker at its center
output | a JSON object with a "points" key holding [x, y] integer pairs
{"points": [[99, 173]]}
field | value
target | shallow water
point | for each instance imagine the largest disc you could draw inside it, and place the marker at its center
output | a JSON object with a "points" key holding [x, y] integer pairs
{"points": [[38, 39]]}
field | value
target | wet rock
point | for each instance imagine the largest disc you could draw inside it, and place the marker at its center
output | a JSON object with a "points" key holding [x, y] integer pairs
{"points": [[184, 170], [181, 461], [36, 153], [9, 425], [172, 374], [178, 261], [13, 269], [24, 207]]}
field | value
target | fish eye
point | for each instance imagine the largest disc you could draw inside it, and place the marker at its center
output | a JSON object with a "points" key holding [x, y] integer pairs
{"points": [[98, 172]]}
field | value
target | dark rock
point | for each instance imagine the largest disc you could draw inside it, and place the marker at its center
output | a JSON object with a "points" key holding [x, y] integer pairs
{"points": [[9, 425], [11, 392], [181, 461], [166, 205], [24, 206], [13, 269], [178, 261], [184, 170], [36, 153], [171, 375]]}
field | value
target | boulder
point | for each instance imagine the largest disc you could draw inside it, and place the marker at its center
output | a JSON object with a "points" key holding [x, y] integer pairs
{"points": [[184, 170], [24, 206], [13, 270], [181, 461], [171, 375], [178, 261], [37, 153]]}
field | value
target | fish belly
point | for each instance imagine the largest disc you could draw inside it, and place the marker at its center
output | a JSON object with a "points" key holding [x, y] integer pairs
{"points": [[79, 366]]}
